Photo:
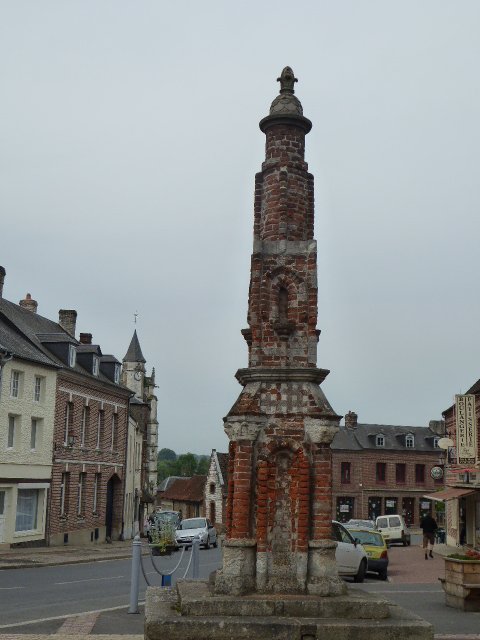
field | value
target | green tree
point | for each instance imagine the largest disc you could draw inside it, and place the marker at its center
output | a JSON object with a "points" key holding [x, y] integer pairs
{"points": [[202, 465], [166, 454], [186, 464]]}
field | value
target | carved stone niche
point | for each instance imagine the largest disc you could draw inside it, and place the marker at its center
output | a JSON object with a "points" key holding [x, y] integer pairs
{"points": [[284, 328]]}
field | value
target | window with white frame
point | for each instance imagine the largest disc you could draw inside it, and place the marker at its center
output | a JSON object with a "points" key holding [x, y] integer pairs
{"points": [[100, 427], [96, 485], [380, 440], [68, 422], [12, 428], [64, 488], [14, 384], [117, 374], [37, 389], [95, 367], [27, 510], [435, 443], [82, 478], [409, 441], [85, 423], [114, 430], [34, 434], [72, 355]]}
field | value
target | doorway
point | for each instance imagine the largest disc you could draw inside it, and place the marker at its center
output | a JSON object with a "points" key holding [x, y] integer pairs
{"points": [[374, 507], [212, 513], [3, 504], [408, 510]]}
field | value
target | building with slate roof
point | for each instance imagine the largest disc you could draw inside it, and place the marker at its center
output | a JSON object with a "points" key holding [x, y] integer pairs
{"points": [[462, 491], [380, 469], [82, 428], [185, 495], [216, 487], [28, 378]]}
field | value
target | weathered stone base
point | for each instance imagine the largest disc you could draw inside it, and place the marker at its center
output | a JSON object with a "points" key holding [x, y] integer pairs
{"points": [[191, 612]]}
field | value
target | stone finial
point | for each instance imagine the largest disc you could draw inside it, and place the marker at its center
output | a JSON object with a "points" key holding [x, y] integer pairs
{"points": [[286, 104], [287, 80]]}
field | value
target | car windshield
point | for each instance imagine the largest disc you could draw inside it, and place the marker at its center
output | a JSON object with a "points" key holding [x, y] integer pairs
{"points": [[368, 537], [194, 523], [366, 524], [166, 516]]}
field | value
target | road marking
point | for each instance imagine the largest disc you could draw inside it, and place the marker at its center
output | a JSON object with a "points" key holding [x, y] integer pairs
{"points": [[7, 588], [90, 580], [66, 615], [392, 591]]}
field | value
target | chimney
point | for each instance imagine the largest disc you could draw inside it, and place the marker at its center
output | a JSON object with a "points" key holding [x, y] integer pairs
{"points": [[351, 420], [86, 338], [67, 319], [3, 273], [29, 304]]}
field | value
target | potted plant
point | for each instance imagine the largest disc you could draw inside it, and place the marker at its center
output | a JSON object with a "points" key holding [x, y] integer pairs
{"points": [[162, 540], [462, 580]]}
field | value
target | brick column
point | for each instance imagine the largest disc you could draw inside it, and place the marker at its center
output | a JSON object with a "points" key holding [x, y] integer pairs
{"points": [[322, 493], [242, 482]]}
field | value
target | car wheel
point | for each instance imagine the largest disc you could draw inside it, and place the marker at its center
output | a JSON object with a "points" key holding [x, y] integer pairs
{"points": [[215, 544], [408, 541], [382, 575], [207, 544], [362, 570]]}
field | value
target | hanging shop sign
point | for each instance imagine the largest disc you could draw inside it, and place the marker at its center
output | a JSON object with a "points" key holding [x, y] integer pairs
{"points": [[436, 473], [466, 429]]}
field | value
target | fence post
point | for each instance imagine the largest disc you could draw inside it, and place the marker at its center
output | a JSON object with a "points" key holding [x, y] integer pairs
{"points": [[196, 557], [134, 580]]}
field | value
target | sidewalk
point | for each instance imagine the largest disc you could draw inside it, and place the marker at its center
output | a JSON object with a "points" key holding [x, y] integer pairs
{"points": [[20, 558]]}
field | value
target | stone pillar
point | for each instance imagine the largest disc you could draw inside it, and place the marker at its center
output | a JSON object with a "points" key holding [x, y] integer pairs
{"points": [[281, 425]]}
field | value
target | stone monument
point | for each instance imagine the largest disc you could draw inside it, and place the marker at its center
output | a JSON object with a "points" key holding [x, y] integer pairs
{"points": [[279, 577]]}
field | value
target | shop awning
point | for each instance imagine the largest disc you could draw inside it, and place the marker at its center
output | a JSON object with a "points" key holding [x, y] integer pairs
{"points": [[450, 493]]}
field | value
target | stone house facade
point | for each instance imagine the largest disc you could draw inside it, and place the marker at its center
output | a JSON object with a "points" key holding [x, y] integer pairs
{"points": [[142, 439], [380, 469], [27, 406], [185, 495], [216, 488]]}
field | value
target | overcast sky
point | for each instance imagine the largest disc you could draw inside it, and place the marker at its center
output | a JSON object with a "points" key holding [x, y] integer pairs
{"points": [[129, 141]]}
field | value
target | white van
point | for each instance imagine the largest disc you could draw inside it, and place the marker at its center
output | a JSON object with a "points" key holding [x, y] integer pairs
{"points": [[393, 529]]}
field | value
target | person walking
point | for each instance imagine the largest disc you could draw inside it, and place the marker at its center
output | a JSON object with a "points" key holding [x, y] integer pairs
{"points": [[428, 526]]}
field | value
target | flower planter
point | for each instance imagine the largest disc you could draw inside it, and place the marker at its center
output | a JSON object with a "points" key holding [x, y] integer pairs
{"points": [[161, 550], [462, 584]]}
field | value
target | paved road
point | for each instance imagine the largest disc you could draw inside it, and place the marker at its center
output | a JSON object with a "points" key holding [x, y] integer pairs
{"points": [[33, 594], [55, 592]]}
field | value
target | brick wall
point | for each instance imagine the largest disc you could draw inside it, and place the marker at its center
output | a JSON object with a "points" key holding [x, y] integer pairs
{"points": [[99, 464], [364, 484]]}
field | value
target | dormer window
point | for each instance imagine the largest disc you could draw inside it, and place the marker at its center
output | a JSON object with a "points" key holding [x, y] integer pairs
{"points": [[72, 355], [435, 443], [380, 440], [117, 374], [409, 441], [95, 365]]}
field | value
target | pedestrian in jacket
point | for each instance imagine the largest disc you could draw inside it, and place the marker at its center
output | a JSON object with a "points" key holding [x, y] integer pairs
{"points": [[429, 527]]}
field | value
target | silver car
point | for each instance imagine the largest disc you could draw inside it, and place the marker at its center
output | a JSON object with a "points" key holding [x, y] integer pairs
{"points": [[190, 528]]}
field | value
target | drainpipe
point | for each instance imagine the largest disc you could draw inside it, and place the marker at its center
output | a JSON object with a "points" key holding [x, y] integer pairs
{"points": [[122, 534]]}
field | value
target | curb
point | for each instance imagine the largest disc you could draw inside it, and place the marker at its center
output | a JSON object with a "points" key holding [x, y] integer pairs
{"points": [[54, 563]]}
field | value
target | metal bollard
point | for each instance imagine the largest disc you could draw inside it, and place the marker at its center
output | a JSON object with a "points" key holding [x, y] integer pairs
{"points": [[135, 577], [196, 557]]}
